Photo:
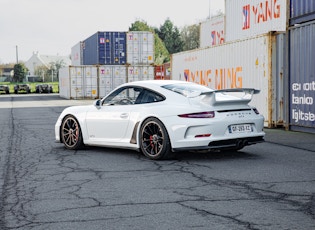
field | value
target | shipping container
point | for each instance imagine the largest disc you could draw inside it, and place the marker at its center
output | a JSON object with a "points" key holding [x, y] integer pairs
{"points": [[78, 82], [77, 54], [167, 71], [90, 79], [105, 48], [90, 82], [212, 31], [279, 80], [159, 72], [250, 18], [140, 48], [241, 64], [140, 73], [301, 11], [64, 83], [302, 77], [110, 77]]}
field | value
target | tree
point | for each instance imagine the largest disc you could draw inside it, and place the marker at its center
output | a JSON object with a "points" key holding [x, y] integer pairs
{"points": [[140, 26], [190, 36], [55, 67], [161, 54], [170, 35], [20, 71], [42, 72]]}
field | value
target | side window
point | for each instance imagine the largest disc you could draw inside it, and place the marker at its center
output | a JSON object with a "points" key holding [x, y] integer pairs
{"points": [[147, 96], [123, 96]]}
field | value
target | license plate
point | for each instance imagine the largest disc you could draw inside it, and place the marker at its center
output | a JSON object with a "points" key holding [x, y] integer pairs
{"points": [[243, 128]]}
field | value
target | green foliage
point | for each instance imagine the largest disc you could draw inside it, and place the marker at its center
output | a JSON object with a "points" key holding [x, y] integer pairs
{"points": [[169, 39], [20, 71], [140, 26], [190, 37], [161, 53], [56, 66], [170, 35]]}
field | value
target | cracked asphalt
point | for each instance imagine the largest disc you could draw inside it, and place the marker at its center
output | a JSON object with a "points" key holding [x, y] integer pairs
{"points": [[44, 186]]}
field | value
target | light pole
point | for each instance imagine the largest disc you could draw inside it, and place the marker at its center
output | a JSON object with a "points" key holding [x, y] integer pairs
{"points": [[17, 54]]}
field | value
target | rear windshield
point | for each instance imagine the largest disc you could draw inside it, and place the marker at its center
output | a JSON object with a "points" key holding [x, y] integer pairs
{"points": [[187, 89]]}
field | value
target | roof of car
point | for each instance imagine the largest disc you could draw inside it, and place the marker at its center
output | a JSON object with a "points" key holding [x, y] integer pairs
{"points": [[157, 82]]}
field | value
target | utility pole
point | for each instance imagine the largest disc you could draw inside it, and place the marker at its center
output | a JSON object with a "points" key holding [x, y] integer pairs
{"points": [[209, 9], [17, 55]]}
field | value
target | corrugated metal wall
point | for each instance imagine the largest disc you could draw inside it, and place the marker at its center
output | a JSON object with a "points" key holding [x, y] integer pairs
{"points": [[239, 64], [279, 81], [302, 77], [301, 11]]}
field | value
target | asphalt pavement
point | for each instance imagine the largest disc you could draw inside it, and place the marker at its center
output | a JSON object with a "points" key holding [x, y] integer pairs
{"points": [[300, 140]]}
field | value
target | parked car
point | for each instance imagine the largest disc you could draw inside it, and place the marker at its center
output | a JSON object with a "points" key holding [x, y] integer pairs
{"points": [[161, 117], [4, 89], [22, 88], [43, 88]]}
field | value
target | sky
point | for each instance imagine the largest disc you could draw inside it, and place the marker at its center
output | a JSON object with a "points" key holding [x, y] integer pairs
{"points": [[53, 27]]}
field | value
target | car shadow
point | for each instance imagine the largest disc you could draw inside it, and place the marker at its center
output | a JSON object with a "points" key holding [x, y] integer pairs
{"points": [[180, 156], [215, 156]]}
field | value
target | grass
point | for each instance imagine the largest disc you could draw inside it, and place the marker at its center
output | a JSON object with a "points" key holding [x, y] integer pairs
{"points": [[11, 85]]}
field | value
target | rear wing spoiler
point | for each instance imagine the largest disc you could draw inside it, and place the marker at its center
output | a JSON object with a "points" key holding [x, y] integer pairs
{"points": [[238, 96], [240, 90]]}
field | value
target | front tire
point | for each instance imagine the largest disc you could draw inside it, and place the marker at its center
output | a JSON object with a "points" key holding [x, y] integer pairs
{"points": [[154, 140], [71, 134]]}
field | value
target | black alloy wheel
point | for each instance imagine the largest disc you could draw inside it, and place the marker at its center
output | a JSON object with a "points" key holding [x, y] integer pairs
{"points": [[154, 140]]}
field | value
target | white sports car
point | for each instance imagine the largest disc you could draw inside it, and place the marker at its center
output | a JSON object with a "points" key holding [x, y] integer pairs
{"points": [[161, 117]]}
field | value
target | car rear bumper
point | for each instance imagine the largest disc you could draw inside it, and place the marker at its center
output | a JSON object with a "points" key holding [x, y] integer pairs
{"points": [[236, 143]]}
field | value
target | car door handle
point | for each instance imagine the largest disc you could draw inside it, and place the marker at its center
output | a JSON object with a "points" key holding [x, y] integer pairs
{"points": [[124, 115]]}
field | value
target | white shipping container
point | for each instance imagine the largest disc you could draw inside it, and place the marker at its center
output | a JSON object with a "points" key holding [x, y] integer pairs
{"points": [[140, 73], [78, 82], [90, 78], [90, 82], [140, 48], [64, 83], [110, 77], [77, 54], [250, 18], [241, 64], [212, 32]]}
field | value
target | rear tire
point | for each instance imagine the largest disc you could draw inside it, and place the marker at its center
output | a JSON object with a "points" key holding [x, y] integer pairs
{"points": [[154, 140], [71, 135]]}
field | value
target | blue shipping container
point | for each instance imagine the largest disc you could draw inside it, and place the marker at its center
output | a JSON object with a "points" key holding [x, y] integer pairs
{"points": [[105, 48], [301, 11], [302, 78]]}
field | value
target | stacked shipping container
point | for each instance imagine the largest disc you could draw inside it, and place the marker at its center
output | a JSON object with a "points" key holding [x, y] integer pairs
{"points": [[258, 43], [244, 63], [301, 11], [247, 58], [301, 65], [106, 60]]}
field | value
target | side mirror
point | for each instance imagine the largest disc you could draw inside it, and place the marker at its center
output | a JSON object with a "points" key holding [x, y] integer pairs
{"points": [[97, 103]]}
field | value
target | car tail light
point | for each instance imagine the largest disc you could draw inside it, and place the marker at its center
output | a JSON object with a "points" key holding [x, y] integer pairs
{"points": [[203, 135], [209, 114], [256, 110]]}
